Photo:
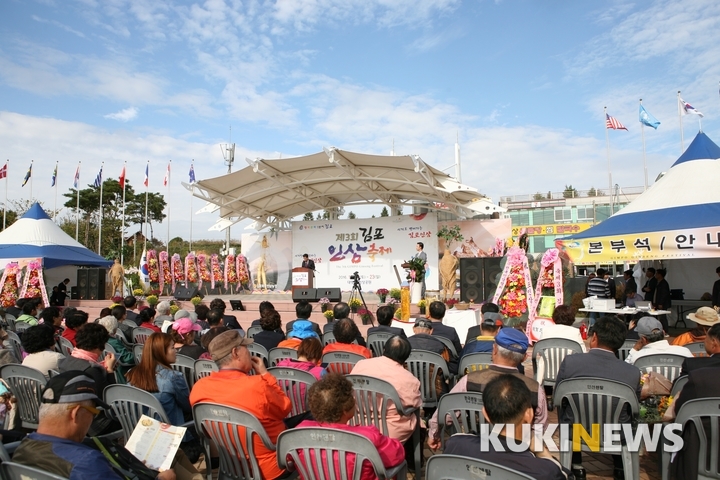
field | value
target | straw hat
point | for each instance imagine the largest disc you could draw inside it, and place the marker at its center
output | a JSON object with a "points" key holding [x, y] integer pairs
{"points": [[704, 316]]}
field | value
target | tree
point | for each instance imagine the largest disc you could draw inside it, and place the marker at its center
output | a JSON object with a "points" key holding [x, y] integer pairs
{"points": [[384, 212], [308, 217], [538, 196], [352, 216], [592, 192], [569, 192]]}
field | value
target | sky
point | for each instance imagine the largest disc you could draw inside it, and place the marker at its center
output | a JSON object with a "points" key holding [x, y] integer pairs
{"points": [[520, 83]]}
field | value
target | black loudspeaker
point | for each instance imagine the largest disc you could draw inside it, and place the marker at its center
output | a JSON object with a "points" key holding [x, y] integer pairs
{"points": [[307, 294], [478, 278], [91, 283], [74, 293], [333, 294], [186, 293]]}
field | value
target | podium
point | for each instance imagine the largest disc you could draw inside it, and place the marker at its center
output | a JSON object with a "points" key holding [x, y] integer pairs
{"points": [[302, 278]]}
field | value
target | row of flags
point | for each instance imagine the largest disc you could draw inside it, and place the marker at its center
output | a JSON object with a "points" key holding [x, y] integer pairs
{"points": [[99, 178], [650, 121]]}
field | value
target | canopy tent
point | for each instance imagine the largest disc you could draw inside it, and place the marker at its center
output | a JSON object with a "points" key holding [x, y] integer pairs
{"points": [[676, 218], [272, 192], [35, 235]]}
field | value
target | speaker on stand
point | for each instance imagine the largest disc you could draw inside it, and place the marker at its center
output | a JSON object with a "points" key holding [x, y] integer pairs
{"points": [[478, 278], [91, 283]]}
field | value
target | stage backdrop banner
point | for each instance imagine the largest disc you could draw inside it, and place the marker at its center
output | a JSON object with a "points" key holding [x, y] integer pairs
{"points": [[270, 251], [478, 236], [369, 246]]}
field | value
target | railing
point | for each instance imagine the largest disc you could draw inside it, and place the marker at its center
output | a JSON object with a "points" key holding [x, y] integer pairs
{"points": [[554, 196]]}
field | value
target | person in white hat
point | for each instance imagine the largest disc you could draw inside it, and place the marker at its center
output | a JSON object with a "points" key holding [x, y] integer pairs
{"points": [[704, 317]]}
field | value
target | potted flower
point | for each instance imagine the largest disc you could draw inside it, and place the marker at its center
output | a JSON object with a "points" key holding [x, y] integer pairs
{"points": [[196, 301], [398, 314], [451, 302], [324, 304], [395, 293], [328, 315], [382, 293], [416, 267], [393, 303], [174, 309], [152, 300], [422, 305], [354, 304], [365, 315]]}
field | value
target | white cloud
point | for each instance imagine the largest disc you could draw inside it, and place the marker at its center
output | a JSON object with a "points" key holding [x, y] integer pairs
{"points": [[124, 115], [59, 25]]}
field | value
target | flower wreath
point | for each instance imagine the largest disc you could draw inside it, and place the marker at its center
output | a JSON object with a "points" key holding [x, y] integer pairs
{"points": [[514, 291], [191, 270], [33, 284], [178, 273], [9, 285], [165, 275], [203, 268], [242, 270], [217, 273], [230, 275], [153, 270], [550, 277]]}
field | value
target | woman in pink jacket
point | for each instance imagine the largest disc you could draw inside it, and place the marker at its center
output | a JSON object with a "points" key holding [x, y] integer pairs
{"points": [[310, 353]]}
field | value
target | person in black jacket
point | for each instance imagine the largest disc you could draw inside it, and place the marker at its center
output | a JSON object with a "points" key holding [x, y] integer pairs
{"points": [[424, 340], [650, 284], [712, 347], [384, 318], [272, 333], [661, 299], [437, 313], [630, 289], [716, 292]]}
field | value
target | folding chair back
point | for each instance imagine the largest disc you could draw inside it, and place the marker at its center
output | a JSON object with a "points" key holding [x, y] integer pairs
{"points": [[552, 351], [257, 350], [329, 454], [186, 366], [448, 344], [15, 471], [474, 361], [341, 362], [463, 409], [137, 353], [667, 365], [427, 366], [140, 335], [704, 414], [27, 385], [66, 346], [16, 345], [376, 343], [624, 351], [204, 368], [21, 326], [678, 385], [697, 349], [253, 330], [295, 383], [231, 430], [130, 403], [10, 321], [276, 354], [328, 338], [456, 467]]}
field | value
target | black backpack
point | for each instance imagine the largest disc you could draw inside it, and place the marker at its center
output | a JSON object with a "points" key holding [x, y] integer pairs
{"points": [[121, 460]]}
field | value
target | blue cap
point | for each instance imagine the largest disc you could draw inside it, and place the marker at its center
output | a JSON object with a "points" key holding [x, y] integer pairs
{"points": [[302, 329], [512, 339]]}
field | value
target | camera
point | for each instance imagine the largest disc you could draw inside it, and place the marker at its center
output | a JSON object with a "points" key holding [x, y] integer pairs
{"points": [[355, 276]]}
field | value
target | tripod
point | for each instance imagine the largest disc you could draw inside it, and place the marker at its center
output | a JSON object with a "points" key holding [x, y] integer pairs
{"points": [[357, 292]]}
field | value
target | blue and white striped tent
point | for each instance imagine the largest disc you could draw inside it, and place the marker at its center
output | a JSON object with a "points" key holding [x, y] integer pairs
{"points": [[35, 235], [676, 218]]}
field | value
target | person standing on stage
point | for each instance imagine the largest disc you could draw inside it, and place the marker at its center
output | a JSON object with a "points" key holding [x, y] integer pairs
{"points": [[62, 292], [307, 263], [422, 256]]}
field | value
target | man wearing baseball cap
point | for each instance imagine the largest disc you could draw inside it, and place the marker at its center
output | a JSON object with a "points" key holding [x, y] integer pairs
{"points": [[69, 404], [652, 341], [257, 394], [483, 343], [508, 352]]}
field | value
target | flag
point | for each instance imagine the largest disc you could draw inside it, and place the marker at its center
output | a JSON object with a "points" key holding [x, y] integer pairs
{"points": [[688, 109], [3, 171], [76, 182], [192, 173], [143, 271], [166, 180], [98, 179], [146, 175], [647, 119], [28, 175], [611, 122], [122, 178], [54, 176]]}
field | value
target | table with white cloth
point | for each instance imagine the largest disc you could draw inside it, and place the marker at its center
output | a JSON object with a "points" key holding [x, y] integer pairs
{"points": [[626, 311], [460, 320]]}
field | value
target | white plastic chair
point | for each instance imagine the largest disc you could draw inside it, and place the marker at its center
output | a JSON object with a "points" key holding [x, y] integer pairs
{"points": [[457, 467]]}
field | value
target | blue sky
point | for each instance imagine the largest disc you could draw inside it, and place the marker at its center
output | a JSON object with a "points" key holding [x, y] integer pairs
{"points": [[522, 83]]}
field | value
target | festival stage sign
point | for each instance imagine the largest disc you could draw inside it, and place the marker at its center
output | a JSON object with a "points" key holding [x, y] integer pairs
{"points": [[370, 246], [555, 229], [269, 256]]}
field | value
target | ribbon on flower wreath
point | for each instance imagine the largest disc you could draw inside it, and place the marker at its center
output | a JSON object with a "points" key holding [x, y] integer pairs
{"points": [[191, 271], [33, 283], [203, 269], [516, 257], [10, 284], [216, 271], [178, 273], [550, 265]]}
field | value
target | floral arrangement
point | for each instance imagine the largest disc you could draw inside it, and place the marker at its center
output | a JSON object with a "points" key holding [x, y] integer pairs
{"points": [[153, 268], [10, 282], [117, 299], [354, 302], [423, 303], [191, 269], [328, 315], [324, 301], [230, 276], [392, 302], [382, 291], [165, 274], [173, 309], [549, 282], [365, 315], [34, 285], [514, 291], [243, 272], [205, 276], [178, 272], [196, 301], [138, 292], [653, 408], [450, 302], [416, 268], [395, 293], [499, 249], [217, 273], [398, 314], [152, 300]]}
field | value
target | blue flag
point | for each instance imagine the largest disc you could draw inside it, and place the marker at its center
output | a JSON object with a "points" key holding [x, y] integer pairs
{"points": [[98, 179], [54, 176], [192, 174], [647, 119], [27, 175]]}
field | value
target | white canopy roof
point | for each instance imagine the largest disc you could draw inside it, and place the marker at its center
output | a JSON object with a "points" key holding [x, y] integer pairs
{"points": [[272, 192]]}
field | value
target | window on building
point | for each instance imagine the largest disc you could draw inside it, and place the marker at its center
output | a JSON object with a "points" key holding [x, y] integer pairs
{"points": [[520, 219], [563, 215], [543, 216], [538, 244], [585, 213]]}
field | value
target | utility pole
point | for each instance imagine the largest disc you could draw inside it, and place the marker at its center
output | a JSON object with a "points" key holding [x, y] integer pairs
{"points": [[228, 153]]}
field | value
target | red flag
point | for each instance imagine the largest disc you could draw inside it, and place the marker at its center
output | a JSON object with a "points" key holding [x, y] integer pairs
{"points": [[3, 171], [122, 178], [612, 122], [167, 176]]}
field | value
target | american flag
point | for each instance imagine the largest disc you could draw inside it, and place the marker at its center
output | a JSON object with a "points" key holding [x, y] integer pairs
{"points": [[612, 122]]}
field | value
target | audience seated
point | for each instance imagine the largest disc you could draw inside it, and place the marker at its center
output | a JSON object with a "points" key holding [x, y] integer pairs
{"points": [[436, 314], [341, 311], [507, 400], [130, 302], [309, 358], [564, 318], [229, 321], [509, 350], [483, 343], [704, 317], [29, 312], [257, 394], [208, 337], [652, 341], [384, 316], [608, 335], [16, 310], [90, 342], [183, 332], [346, 332], [423, 340], [163, 313], [202, 312], [332, 404], [302, 329], [271, 334], [146, 319], [120, 314], [264, 306], [303, 310], [73, 321], [53, 317], [123, 354], [487, 307], [391, 368], [39, 343], [712, 347]]}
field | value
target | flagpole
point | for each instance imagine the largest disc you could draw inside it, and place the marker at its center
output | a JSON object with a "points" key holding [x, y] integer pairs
{"points": [[101, 211], [122, 233], [7, 163], [192, 186], [77, 207], [168, 205], [642, 133], [682, 140], [56, 191], [607, 143], [147, 186]]}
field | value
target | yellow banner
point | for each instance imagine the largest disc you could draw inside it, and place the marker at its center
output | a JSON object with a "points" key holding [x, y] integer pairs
{"points": [[557, 229], [687, 243]]}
